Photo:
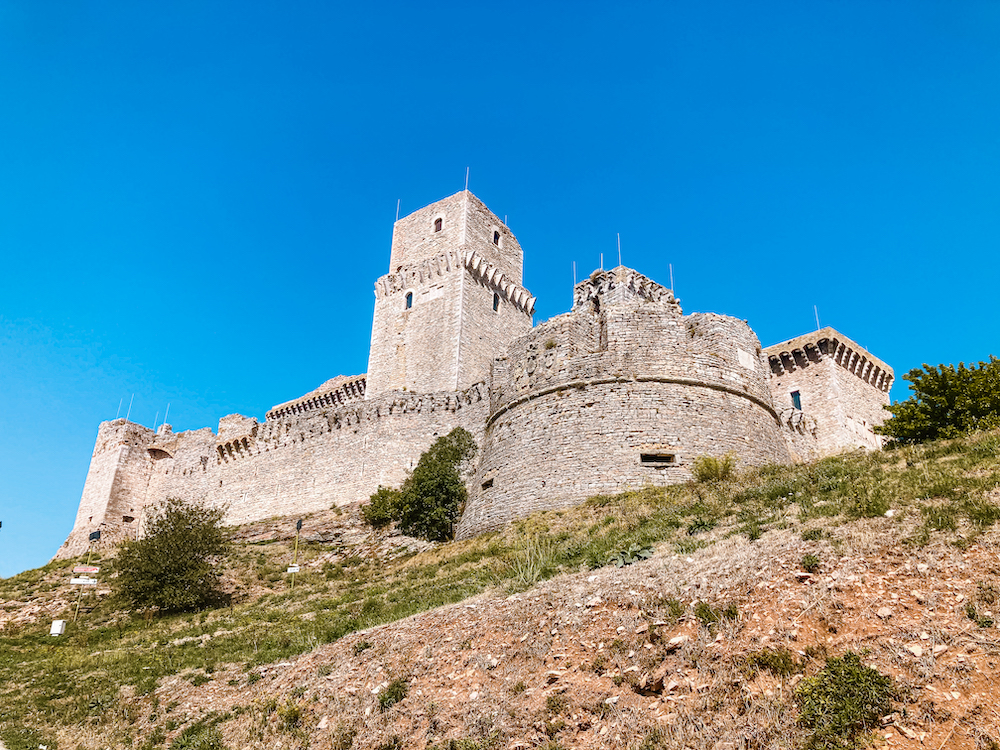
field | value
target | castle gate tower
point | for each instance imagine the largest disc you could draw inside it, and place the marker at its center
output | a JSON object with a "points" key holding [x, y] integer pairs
{"points": [[451, 302]]}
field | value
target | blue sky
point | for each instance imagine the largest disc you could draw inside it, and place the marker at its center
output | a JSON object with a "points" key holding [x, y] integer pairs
{"points": [[197, 197]]}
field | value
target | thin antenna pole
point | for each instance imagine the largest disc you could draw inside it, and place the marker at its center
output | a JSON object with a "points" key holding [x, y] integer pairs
{"points": [[619, 248], [156, 418], [119, 412], [816, 310], [602, 261], [574, 274], [505, 219], [397, 208], [166, 413], [466, 178], [130, 407], [671, 266]]}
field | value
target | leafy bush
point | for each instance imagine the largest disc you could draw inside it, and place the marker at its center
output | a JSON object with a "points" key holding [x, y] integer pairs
{"points": [[172, 567], [633, 554], [946, 402], [844, 699], [394, 692], [713, 469], [433, 496], [382, 508], [810, 563]]}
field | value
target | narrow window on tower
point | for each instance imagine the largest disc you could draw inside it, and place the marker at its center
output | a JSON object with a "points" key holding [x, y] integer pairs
{"points": [[409, 300], [496, 238], [437, 224], [496, 302], [797, 400]]}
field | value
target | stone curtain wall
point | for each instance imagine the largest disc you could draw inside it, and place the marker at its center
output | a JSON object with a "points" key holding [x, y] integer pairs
{"points": [[580, 400], [297, 464], [842, 389]]}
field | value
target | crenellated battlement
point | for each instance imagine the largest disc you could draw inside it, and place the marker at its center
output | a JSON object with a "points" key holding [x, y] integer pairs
{"points": [[494, 279], [339, 391], [618, 284], [800, 352]]}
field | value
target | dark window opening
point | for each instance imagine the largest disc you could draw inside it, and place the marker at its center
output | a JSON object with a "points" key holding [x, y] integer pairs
{"points": [[496, 302], [409, 300], [657, 459], [127, 519], [496, 238], [797, 400], [437, 224], [487, 484]]}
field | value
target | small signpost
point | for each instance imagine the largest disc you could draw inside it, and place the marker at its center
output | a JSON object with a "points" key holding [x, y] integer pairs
{"points": [[85, 580], [294, 567]]}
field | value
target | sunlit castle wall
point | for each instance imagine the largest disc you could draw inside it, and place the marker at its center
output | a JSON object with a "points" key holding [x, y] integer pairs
{"points": [[308, 456], [621, 392], [451, 302]]}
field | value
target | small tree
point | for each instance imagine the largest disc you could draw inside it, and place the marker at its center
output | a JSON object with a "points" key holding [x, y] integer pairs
{"points": [[173, 566], [432, 497], [946, 401], [382, 508]]}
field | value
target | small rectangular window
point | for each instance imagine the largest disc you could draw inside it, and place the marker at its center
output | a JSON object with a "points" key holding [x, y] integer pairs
{"points": [[657, 459], [797, 400], [409, 300]]}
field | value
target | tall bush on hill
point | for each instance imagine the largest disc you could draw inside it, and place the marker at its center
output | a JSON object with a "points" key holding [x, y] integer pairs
{"points": [[945, 402], [431, 499], [174, 566]]}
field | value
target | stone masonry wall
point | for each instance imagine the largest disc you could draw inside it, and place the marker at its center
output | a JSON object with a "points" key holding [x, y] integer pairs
{"points": [[434, 327], [841, 388], [296, 464], [623, 391]]}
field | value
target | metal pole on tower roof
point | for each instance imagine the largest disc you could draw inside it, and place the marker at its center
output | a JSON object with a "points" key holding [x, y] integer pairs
{"points": [[466, 178], [816, 310], [671, 266], [397, 208], [619, 248], [130, 407]]}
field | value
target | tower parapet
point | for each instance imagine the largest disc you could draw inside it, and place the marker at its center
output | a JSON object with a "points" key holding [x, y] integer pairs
{"points": [[831, 383]]}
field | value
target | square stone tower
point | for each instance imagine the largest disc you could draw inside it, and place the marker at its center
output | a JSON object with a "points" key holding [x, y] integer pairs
{"points": [[451, 302]]}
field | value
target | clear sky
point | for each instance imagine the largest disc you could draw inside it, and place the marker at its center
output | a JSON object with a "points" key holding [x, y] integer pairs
{"points": [[196, 197]]}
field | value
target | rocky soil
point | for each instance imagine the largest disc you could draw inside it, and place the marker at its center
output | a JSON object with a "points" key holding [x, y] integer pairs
{"points": [[607, 658]]}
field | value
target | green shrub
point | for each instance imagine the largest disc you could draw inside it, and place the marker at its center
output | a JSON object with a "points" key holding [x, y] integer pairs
{"points": [[810, 563], [202, 735], [713, 469], [633, 554], [394, 692], [779, 662], [172, 567], [382, 508], [946, 402], [432, 498], [843, 700]]}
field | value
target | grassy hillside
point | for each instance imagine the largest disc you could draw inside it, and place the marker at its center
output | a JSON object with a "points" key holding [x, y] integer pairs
{"points": [[97, 685]]}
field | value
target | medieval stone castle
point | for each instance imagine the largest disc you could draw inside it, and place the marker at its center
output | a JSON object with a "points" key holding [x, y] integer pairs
{"points": [[622, 391]]}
